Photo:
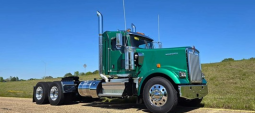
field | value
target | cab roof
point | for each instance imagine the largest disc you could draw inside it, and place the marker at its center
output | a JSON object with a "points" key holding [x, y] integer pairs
{"points": [[138, 34], [130, 33]]}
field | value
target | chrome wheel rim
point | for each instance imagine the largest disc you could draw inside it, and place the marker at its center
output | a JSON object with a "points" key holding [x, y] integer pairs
{"points": [[158, 95], [54, 93], [39, 93]]}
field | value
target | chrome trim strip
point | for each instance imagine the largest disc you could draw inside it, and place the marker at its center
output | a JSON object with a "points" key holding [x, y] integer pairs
{"points": [[123, 75], [120, 80], [110, 95]]}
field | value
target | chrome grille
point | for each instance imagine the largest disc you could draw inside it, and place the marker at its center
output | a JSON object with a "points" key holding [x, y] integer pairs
{"points": [[195, 73]]}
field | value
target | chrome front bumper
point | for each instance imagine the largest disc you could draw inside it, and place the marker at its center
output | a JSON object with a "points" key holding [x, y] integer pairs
{"points": [[192, 91]]}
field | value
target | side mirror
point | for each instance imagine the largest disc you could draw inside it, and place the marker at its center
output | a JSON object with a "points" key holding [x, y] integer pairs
{"points": [[118, 40]]}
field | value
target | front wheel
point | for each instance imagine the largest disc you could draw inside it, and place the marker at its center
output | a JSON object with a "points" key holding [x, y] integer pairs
{"points": [[159, 95]]}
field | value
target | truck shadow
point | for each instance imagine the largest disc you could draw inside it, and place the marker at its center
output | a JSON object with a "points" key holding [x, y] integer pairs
{"points": [[139, 107]]}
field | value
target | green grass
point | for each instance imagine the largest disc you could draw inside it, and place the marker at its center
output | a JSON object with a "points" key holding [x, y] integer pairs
{"points": [[231, 85], [25, 88]]}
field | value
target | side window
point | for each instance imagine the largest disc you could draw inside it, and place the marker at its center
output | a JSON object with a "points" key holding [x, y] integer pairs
{"points": [[113, 44], [142, 46]]}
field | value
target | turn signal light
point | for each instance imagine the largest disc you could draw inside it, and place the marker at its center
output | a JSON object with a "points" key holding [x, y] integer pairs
{"points": [[158, 65]]}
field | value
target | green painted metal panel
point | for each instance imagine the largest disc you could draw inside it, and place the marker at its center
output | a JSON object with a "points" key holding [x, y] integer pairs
{"points": [[172, 61], [113, 61]]}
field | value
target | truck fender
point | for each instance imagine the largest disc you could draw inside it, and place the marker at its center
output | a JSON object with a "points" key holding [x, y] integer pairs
{"points": [[157, 72]]}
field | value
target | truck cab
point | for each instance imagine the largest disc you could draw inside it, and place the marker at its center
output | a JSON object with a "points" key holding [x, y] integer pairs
{"points": [[130, 54]]}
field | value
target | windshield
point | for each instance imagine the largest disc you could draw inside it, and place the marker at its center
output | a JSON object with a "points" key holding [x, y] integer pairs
{"points": [[141, 42]]}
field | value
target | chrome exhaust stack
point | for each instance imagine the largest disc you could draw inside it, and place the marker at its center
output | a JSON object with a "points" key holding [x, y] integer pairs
{"points": [[100, 30], [133, 27]]}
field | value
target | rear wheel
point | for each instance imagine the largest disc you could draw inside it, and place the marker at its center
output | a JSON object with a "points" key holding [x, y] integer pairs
{"points": [[55, 95], [159, 95], [41, 93]]}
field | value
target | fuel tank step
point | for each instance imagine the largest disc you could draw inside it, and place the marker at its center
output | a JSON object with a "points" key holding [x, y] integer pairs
{"points": [[110, 95], [112, 89]]}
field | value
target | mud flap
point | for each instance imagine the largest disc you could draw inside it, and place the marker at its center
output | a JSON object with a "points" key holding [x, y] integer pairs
{"points": [[33, 94]]}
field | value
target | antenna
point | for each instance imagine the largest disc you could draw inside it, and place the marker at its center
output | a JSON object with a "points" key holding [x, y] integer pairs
{"points": [[124, 14], [159, 43], [158, 30], [85, 67]]}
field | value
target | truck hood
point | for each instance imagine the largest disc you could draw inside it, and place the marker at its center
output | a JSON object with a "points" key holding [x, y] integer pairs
{"points": [[173, 59]]}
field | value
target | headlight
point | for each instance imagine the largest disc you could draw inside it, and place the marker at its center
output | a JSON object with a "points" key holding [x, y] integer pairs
{"points": [[182, 74]]}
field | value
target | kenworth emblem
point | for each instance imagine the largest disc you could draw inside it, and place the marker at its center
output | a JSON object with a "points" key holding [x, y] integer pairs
{"points": [[172, 53]]}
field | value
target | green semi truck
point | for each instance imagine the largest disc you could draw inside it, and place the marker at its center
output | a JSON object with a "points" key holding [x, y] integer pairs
{"points": [[131, 65]]}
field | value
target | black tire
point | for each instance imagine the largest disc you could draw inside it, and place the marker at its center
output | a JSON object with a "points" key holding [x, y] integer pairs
{"points": [[190, 102], [41, 93], [59, 99], [171, 97]]}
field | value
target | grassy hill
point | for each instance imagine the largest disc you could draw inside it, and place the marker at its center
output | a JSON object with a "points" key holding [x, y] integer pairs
{"points": [[231, 85]]}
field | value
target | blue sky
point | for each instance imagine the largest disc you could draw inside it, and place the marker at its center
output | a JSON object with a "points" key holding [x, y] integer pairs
{"points": [[63, 34]]}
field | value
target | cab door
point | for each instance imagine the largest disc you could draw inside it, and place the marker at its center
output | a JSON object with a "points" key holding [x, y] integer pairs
{"points": [[114, 57]]}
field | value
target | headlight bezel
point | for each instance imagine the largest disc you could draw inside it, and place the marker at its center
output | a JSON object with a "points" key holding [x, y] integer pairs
{"points": [[182, 74]]}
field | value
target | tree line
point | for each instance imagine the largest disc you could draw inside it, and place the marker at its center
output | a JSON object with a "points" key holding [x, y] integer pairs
{"points": [[9, 79], [76, 73], [231, 59]]}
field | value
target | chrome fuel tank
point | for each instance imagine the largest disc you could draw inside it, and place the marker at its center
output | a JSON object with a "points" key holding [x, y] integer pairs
{"points": [[89, 88]]}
